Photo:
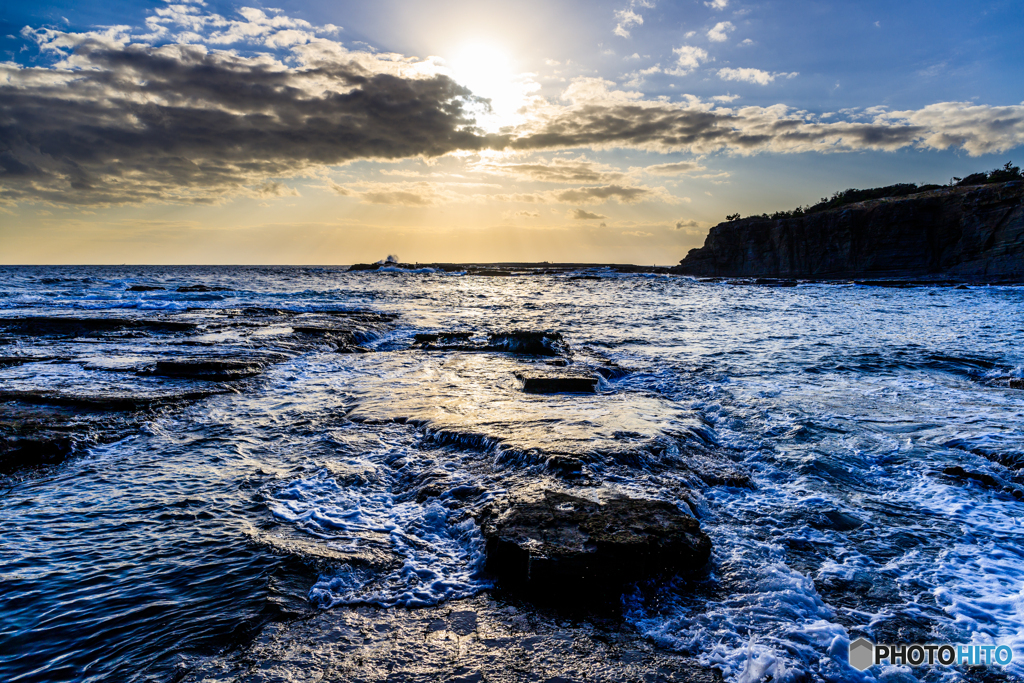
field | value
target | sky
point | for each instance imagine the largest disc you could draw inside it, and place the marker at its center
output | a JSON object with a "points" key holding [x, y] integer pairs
{"points": [[316, 132]]}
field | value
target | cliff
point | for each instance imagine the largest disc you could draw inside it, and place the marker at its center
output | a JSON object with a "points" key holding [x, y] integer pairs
{"points": [[973, 233]]}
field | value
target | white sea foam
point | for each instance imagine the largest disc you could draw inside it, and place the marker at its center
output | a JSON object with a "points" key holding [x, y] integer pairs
{"points": [[438, 555]]}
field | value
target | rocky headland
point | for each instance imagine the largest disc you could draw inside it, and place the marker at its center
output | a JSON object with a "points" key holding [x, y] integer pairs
{"points": [[965, 233]]}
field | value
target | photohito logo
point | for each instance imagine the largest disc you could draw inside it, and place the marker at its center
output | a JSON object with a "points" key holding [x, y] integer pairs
{"points": [[864, 654]]}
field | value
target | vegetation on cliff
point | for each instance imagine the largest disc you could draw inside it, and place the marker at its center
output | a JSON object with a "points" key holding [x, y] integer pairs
{"points": [[999, 175]]}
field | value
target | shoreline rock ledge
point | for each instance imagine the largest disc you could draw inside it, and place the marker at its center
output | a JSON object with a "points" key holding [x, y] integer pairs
{"points": [[971, 234], [560, 548]]}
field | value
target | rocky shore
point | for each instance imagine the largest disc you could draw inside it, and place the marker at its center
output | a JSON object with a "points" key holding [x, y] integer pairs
{"points": [[75, 381], [963, 234]]}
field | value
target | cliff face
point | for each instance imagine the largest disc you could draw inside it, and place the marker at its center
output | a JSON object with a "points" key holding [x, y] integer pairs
{"points": [[969, 233]]}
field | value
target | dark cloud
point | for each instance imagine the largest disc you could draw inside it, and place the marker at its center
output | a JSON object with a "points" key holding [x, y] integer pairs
{"points": [[678, 168], [560, 171], [126, 123], [671, 128], [182, 123], [626, 195], [581, 215]]}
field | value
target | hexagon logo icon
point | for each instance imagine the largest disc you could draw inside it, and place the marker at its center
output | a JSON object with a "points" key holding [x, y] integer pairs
{"points": [[862, 654]]}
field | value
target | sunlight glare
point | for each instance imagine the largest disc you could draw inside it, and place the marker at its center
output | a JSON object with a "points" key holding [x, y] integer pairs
{"points": [[487, 70]]}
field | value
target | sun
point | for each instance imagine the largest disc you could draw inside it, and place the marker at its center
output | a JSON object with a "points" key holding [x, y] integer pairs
{"points": [[488, 70]]}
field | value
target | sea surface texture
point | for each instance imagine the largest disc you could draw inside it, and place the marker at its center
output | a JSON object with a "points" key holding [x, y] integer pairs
{"points": [[309, 510]]}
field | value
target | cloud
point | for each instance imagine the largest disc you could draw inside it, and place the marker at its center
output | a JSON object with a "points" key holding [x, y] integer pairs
{"points": [[135, 123], [581, 215], [638, 233], [691, 227], [635, 78], [718, 33], [678, 168], [752, 75], [275, 189], [725, 98], [624, 194], [625, 19], [116, 120], [717, 4], [689, 59], [401, 198], [605, 119], [620, 193], [527, 214], [976, 128], [558, 171]]}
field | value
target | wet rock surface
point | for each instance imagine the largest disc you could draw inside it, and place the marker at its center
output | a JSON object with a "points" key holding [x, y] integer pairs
{"points": [[529, 342], [554, 380], [475, 640], [562, 548], [71, 381], [522, 342], [220, 369]]}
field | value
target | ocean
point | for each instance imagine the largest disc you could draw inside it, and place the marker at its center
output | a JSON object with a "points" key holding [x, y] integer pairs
{"points": [[853, 452]]}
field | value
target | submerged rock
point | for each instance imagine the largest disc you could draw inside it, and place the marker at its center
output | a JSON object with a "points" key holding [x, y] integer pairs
{"points": [[445, 341], [22, 453], [525, 342], [562, 548], [986, 480], [208, 368], [553, 380], [1017, 383], [67, 326], [202, 288], [528, 342], [145, 288]]}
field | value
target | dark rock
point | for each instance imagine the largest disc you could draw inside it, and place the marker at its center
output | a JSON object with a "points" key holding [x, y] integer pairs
{"points": [[218, 369], [434, 337], [568, 466], [554, 381], [445, 341], [1017, 383], [8, 361], [985, 479], [837, 520], [561, 548], [489, 272], [203, 288], [24, 453], [961, 233], [528, 342], [144, 288], [773, 282], [343, 340], [76, 327], [106, 401]]}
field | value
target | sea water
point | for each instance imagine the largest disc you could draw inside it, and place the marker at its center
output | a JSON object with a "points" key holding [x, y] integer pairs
{"points": [[334, 479]]}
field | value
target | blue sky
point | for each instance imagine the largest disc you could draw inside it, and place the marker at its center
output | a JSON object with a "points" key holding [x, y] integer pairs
{"points": [[336, 132]]}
